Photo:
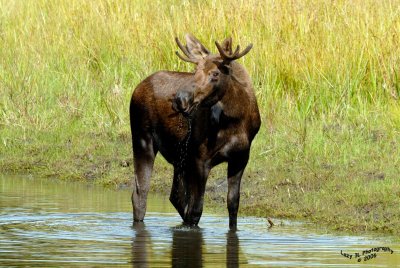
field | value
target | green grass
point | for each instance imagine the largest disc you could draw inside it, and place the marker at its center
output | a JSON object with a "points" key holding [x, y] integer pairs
{"points": [[326, 75]]}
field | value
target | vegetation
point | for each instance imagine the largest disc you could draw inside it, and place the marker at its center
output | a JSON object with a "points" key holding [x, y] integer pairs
{"points": [[326, 74]]}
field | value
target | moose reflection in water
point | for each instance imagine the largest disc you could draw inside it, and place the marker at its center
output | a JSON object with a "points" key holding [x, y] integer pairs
{"points": [[196, 121], [140, 252], [186, 249]]}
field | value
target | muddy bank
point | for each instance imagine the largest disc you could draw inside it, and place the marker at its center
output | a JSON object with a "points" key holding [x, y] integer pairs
{"points": [[352, 197]]}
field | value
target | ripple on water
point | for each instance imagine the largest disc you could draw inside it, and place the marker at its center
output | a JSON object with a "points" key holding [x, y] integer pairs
{"points": [[101, 234]]}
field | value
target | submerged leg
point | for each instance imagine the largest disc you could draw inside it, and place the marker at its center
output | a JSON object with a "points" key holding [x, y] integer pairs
{"points": [[144, 155], [236, 168]]}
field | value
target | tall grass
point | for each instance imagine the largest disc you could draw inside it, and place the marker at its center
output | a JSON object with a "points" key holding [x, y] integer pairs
{"points": [[63, 58], [326, 75]]}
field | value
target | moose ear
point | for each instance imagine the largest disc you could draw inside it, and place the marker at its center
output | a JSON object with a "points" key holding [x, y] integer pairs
{"points": [[195, 48]]}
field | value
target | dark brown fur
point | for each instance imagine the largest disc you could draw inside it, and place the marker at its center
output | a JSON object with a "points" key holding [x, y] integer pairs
{"points": [[196, 121]]}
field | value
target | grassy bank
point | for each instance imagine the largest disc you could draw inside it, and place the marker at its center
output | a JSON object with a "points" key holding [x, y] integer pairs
{"points": [[326, 75]]}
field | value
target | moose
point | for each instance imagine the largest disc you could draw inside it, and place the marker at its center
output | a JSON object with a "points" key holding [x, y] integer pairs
{"points": [[196, 120]]}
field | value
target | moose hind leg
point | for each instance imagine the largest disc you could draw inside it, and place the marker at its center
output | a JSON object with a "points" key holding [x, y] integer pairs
{"points": [[235, 172], [144, 155]]}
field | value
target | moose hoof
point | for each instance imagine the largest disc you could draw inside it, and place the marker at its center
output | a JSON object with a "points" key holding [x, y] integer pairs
{"points": [[193, 221], [189, 224]]}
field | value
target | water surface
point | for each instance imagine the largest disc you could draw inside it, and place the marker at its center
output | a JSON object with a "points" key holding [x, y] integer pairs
{"points": [[54, 223]]}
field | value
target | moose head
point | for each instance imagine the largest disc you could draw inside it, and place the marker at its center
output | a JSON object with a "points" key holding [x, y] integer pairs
{"points": [[213, 72]]}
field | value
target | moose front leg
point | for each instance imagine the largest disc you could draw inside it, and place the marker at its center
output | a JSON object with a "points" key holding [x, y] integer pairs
{"points": [[195, 181], [194, 206], [178, 192], [236, 168]]}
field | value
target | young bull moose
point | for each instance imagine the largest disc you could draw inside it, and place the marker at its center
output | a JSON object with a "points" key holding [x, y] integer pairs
{"points": [[196, 121]]}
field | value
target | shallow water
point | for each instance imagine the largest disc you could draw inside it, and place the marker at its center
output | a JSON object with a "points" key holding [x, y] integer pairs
{"points": [[55, 223]]}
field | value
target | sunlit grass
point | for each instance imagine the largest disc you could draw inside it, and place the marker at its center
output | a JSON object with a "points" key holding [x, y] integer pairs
{"points": [[326, 75]]}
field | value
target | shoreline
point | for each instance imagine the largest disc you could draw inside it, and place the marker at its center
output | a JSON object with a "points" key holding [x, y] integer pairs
{"points": [[265, 192]]}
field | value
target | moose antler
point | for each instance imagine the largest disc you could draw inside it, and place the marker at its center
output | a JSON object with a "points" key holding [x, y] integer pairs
{"points": [[232, 56], [185, 51], [227, 45]]}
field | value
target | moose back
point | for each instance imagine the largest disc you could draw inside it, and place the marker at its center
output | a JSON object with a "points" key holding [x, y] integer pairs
{"points": [[196, 121]]}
